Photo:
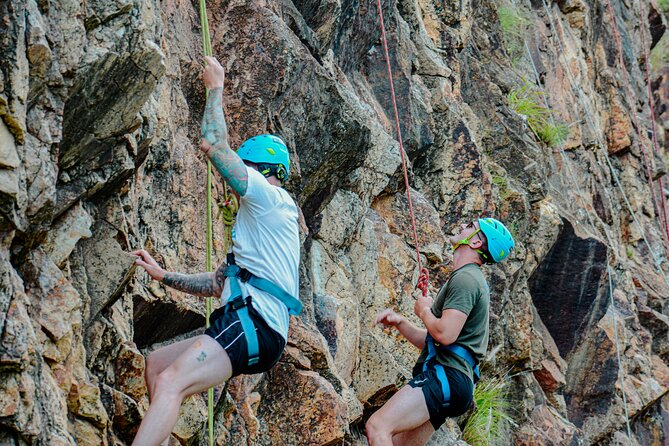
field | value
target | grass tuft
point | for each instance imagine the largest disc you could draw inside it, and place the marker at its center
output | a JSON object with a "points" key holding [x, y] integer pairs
{"points": [[664, 5], [514, 22], [659, 56], [553, 134], [486, 425], [527, 102]]}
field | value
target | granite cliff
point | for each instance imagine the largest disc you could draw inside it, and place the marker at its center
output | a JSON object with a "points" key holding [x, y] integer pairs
{"points": [[100, 103]]}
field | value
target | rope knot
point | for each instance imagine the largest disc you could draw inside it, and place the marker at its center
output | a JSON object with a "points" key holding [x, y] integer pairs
{"points": [[423, 281], [227, 211]]}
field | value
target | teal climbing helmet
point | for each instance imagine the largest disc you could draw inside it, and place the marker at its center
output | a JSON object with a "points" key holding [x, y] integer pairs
{"points": [[500, 240], [269, 152]]}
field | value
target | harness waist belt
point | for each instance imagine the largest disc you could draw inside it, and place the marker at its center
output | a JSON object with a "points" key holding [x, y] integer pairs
{"points": [[457, 350], [467, 356], [293, 304], [238, 303]]}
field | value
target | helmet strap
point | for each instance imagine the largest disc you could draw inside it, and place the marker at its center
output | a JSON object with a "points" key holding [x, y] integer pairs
{"points": [[484, 255], [276, 170], [465, 241]]}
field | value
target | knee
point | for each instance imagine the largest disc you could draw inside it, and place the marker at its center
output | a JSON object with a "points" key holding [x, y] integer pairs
{"points": [[164, 383], [376, 430]]}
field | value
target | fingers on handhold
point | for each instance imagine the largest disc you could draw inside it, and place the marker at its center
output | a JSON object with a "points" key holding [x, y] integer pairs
{"points": [[212, 61]]}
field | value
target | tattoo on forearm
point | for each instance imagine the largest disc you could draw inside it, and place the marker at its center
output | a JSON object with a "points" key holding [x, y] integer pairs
{"points": [[196, 284], [232, 168], [214, 129], [219, 279], [202, 356]]}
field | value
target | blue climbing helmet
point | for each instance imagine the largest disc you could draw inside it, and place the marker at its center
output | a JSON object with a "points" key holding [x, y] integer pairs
{"points": [[269, 152], [500, 240]]}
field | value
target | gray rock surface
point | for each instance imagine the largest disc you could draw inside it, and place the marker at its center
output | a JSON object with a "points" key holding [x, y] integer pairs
{"points": [[100, 104]]}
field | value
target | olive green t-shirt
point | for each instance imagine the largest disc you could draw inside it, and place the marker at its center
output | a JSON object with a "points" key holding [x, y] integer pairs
{"points": [[467, 291]]}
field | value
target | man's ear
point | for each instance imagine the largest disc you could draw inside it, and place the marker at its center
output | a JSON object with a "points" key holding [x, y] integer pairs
{"points": [[475, 244]]}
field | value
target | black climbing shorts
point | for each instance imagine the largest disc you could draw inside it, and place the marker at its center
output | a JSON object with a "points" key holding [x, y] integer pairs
{"points": [[227, 330], [462, 393]]}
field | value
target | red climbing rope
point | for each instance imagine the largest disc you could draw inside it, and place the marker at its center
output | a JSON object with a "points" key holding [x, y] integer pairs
{"points": [[661, 208], [652, 117], [423, 279]]}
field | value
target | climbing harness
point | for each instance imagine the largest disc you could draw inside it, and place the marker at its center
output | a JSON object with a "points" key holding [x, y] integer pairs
{"points": [[423, 280], [240, 304], [456, 349]]}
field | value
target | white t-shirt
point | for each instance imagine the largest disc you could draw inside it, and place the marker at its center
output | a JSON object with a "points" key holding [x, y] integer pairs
{"points": [[266, 242]]}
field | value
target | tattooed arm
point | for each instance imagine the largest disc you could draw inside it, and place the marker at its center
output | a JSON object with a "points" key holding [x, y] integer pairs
{"points": [[203, 284], [230, 166], [215, 131]]}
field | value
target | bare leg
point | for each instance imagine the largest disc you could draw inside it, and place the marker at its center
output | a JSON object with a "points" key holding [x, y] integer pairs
{"points": [[416, 437], [160, 359], [202, 365], [405, 411]]}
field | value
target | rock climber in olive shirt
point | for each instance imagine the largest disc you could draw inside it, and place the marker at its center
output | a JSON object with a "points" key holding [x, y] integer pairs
{"points": [[453, 341]]}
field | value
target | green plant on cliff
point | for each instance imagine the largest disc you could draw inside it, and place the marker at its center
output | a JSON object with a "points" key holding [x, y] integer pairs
{"points": [[659, 56], [500, 182], [503, 186], [527, 101], [513, 22], [553, 134], [486, 425], [664, 5], [514, 228]]}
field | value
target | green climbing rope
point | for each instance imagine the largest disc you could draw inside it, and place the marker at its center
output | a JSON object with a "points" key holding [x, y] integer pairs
{"points": [[226, 212], [206, 48]]}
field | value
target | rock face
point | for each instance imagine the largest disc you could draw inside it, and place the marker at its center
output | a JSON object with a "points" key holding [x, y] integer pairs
{"points": [[100, 104]]}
